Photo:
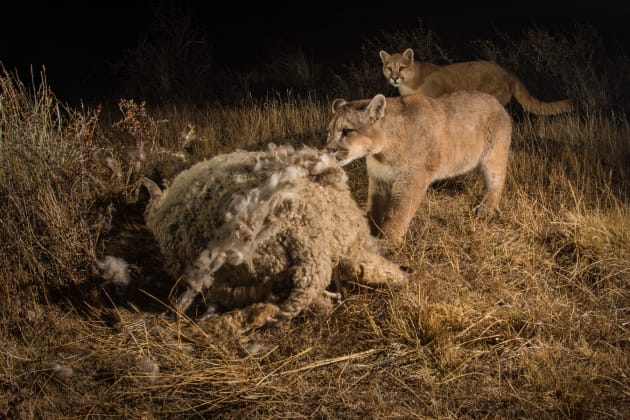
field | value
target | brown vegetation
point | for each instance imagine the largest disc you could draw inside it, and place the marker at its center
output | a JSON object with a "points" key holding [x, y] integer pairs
{"points": [[526, 315]]}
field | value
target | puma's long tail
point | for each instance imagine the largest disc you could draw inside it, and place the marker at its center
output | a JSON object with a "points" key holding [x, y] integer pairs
{"points": [[536, 106]]}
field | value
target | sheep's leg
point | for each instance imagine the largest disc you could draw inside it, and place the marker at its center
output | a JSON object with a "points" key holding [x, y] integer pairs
{"points": [[239, 321], [200, 276], [370, 267], [230, 297], [310, 279], [335, 296], [186, 299]]}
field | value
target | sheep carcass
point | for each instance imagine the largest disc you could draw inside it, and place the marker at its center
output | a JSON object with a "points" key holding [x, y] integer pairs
{"points": [[259, 234]]}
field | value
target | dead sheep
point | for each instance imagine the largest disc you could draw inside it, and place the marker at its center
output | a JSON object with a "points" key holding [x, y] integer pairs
{"points": [[259, 235]]}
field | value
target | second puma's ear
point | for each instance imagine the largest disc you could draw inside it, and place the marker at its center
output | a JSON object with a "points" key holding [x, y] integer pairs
{"points": [[408, 55], [384, 56]]}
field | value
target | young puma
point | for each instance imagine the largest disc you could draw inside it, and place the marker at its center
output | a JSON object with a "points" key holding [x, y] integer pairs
{"points": [[411, 76], [411, 141]]}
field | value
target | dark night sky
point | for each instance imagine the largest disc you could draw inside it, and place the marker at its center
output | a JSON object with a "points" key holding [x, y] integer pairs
{"points": [[74, 41]]}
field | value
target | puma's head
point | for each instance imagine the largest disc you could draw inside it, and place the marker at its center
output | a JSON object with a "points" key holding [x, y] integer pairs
{"points": [[353, 132], [397, 67]]}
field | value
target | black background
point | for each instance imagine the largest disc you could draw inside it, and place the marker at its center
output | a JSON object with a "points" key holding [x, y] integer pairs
{"points": [[75, 42]]}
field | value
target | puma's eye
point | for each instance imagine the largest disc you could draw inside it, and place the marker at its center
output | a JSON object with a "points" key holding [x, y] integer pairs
{"points": [[346, 131], [402, 68]]}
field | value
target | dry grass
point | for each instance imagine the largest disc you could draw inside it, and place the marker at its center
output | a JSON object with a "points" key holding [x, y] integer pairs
{"points": [[523, 316]]}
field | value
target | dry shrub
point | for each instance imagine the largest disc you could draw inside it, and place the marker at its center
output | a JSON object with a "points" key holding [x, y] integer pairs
{"points": [[49, 181]]}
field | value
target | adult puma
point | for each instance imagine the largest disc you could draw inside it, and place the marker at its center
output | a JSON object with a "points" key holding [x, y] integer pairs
{"points": [[411, 76], [411, 141]]}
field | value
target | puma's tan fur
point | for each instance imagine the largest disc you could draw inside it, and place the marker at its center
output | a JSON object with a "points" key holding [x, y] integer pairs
{"points": [[411, 141], [411, 77]]}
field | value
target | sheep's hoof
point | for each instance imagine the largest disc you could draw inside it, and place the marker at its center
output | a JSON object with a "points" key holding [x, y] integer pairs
{"points": [[210, 312], [336, 297], [256, 348], [185, 300]]}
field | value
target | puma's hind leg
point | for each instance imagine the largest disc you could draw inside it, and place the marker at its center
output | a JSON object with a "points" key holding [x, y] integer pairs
{"points": [[494, 165]]}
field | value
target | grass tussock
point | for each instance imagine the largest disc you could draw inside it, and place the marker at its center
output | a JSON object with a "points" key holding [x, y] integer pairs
{"points": [[522, 316]]}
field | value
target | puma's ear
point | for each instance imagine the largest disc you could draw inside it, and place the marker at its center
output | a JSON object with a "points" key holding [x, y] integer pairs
{"points": [[408, 55], [376, 107], [337, 104], [384, 56]]}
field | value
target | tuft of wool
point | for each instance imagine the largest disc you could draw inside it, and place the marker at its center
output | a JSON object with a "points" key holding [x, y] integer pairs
{"points": [[147, 369], [114, 270]]}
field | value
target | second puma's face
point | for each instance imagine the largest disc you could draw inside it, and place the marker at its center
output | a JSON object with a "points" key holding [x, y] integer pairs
{"points": [[397, 67]]}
